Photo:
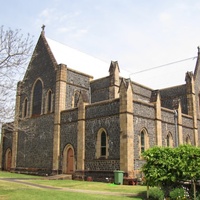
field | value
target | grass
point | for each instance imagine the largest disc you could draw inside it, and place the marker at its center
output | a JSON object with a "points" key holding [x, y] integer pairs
{"points": [[95, 186], [16, 175], [17, 191]]}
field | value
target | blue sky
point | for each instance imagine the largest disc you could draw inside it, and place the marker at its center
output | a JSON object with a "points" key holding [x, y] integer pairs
{"points": [[139, 34]]}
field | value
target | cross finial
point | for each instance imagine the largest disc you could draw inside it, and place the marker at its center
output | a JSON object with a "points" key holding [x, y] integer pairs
{"points": [[43, 27]]}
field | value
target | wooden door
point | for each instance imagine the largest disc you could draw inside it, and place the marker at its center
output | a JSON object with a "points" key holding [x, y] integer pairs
{"points": [[70, 161], [8, 160]]}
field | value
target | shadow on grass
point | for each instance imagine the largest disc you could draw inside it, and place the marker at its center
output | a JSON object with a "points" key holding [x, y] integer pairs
{"points": [[140, 195]]}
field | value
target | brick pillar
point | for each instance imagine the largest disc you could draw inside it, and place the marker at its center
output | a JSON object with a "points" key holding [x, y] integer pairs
{"points": [[81, 135], [114, 80], [60, 102], [15, 131], [192, 103], [126, 127]]}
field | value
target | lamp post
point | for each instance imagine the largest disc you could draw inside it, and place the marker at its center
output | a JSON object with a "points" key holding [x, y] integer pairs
{"points": [[176, 127]]}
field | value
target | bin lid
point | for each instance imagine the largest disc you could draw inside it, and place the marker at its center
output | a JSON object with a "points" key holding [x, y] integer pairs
{"points": [[118, 171]]}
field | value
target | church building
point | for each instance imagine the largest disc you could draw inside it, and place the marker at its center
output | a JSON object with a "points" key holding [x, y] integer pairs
{"points": [[66, 122]]}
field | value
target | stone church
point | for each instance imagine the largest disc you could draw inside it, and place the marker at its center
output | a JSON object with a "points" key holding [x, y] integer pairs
{"points": [[66, 122]]}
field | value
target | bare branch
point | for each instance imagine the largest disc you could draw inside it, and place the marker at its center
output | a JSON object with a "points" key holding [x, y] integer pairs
{"points": [[15, 50]]}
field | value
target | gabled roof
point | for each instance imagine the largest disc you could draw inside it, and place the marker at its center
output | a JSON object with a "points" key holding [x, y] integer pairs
{"points": [[77, 60], [163, 77]]}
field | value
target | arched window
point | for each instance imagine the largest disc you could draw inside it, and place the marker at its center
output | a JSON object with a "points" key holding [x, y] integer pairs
{"points": [[188, 141], [76, 98], [102, 144], [143, 141], [25, 109], [169, 140], [49, 101], [37, 98]]}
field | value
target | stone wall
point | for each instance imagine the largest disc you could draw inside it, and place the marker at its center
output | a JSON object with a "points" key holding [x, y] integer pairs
{"points": [[170, 94], [144, 115], [35, 144], [141, 93], [41, 66], [188, 129], [102, 115], [76, 82], [68, 131], [100, 89], [7, 144]]}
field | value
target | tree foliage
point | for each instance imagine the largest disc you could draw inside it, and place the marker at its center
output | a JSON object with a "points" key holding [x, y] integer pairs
{"points": [[169, 167], [165, 165], [15, 49]]}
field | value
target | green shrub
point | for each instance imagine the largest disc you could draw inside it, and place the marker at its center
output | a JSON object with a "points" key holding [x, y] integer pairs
{"points": [[156, 194], [178, 194]]}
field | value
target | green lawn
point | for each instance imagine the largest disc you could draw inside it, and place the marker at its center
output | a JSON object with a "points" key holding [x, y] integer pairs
{"points": [[4, 174], [97, 186], [17, 191]]}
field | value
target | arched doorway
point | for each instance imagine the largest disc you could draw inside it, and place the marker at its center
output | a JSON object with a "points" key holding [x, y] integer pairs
{"points": [[68, 160], [8, 160]]}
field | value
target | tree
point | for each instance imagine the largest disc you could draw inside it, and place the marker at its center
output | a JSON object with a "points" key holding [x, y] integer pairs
{"points": [[168, 167], [189, 164], [159, 166], [15, 49]]}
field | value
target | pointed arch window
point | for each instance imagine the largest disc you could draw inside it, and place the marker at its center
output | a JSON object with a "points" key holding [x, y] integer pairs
{"points": [[144, 141], [49, 101], [169, 140], [76, 98], [102, 144], [37, 98], [188, 141], [25, 109]]}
